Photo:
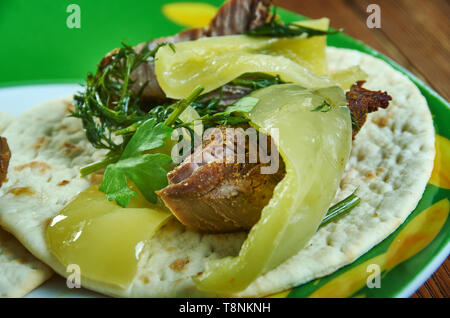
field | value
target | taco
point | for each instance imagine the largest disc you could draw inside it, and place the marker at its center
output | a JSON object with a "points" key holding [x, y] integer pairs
{"points": [[353, 146]]}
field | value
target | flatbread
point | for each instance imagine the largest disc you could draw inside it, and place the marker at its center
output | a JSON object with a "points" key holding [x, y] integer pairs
{"points": [[391, 162], [20, 272]]}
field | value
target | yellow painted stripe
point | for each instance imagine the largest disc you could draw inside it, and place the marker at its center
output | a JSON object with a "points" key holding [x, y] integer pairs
{"points": [[441, 172], [189, 14], [413, 238]]}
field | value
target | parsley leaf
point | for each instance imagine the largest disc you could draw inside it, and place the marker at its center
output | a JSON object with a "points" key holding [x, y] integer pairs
{"points": [[146, 170]]}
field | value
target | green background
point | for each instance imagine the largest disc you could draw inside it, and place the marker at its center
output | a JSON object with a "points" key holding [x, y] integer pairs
{"points": [[37, 45]]}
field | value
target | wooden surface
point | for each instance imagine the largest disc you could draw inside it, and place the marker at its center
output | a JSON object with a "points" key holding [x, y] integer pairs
{"points": [[415, 34]]}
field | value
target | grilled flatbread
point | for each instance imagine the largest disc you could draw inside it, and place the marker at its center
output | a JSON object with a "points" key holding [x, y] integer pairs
{"points": [[20, 272]]}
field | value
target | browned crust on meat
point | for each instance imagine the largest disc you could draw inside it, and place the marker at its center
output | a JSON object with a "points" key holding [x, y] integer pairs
{"points": [[5, 156], [362, 101], [220, 197], [212, 194]]}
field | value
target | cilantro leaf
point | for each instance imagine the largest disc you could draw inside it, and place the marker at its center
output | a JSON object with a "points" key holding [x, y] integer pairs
{"points": [[146, 170]]}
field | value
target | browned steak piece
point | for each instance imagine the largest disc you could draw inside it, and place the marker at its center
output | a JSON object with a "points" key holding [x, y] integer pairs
{"points": [[362, 101], [233, 17], [5, 156], [210, 194]]}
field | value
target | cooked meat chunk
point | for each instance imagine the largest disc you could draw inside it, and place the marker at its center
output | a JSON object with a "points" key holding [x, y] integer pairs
{"points": [[239, 16], [233, 17], [5, 156], [362, 101], [211, 194]]}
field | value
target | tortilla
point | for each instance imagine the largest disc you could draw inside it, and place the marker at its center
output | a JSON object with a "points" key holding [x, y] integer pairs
{"points": [[20, 272], [391, 162]]}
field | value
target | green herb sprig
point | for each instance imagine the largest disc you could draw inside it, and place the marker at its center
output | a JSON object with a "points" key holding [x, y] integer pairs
{"points": [[146, 170], [325, 107], [354, 123], [341, 208], [109, 102], [275, 28], [171, 118], [243, 105], [256, 80]]}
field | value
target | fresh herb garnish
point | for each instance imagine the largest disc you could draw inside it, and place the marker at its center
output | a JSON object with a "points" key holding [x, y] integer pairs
{"points": [[341, 208], [323, 108], [109, 103], [257, 80], [182, 105], [243, 105], [146, 170], [212, 112], [128, 132], [275, 28]]}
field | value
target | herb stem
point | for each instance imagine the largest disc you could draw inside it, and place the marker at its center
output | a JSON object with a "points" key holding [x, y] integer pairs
{"points": [[93, 167], [341, 208], [182, 105], [129, 65], [130, 129]]}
